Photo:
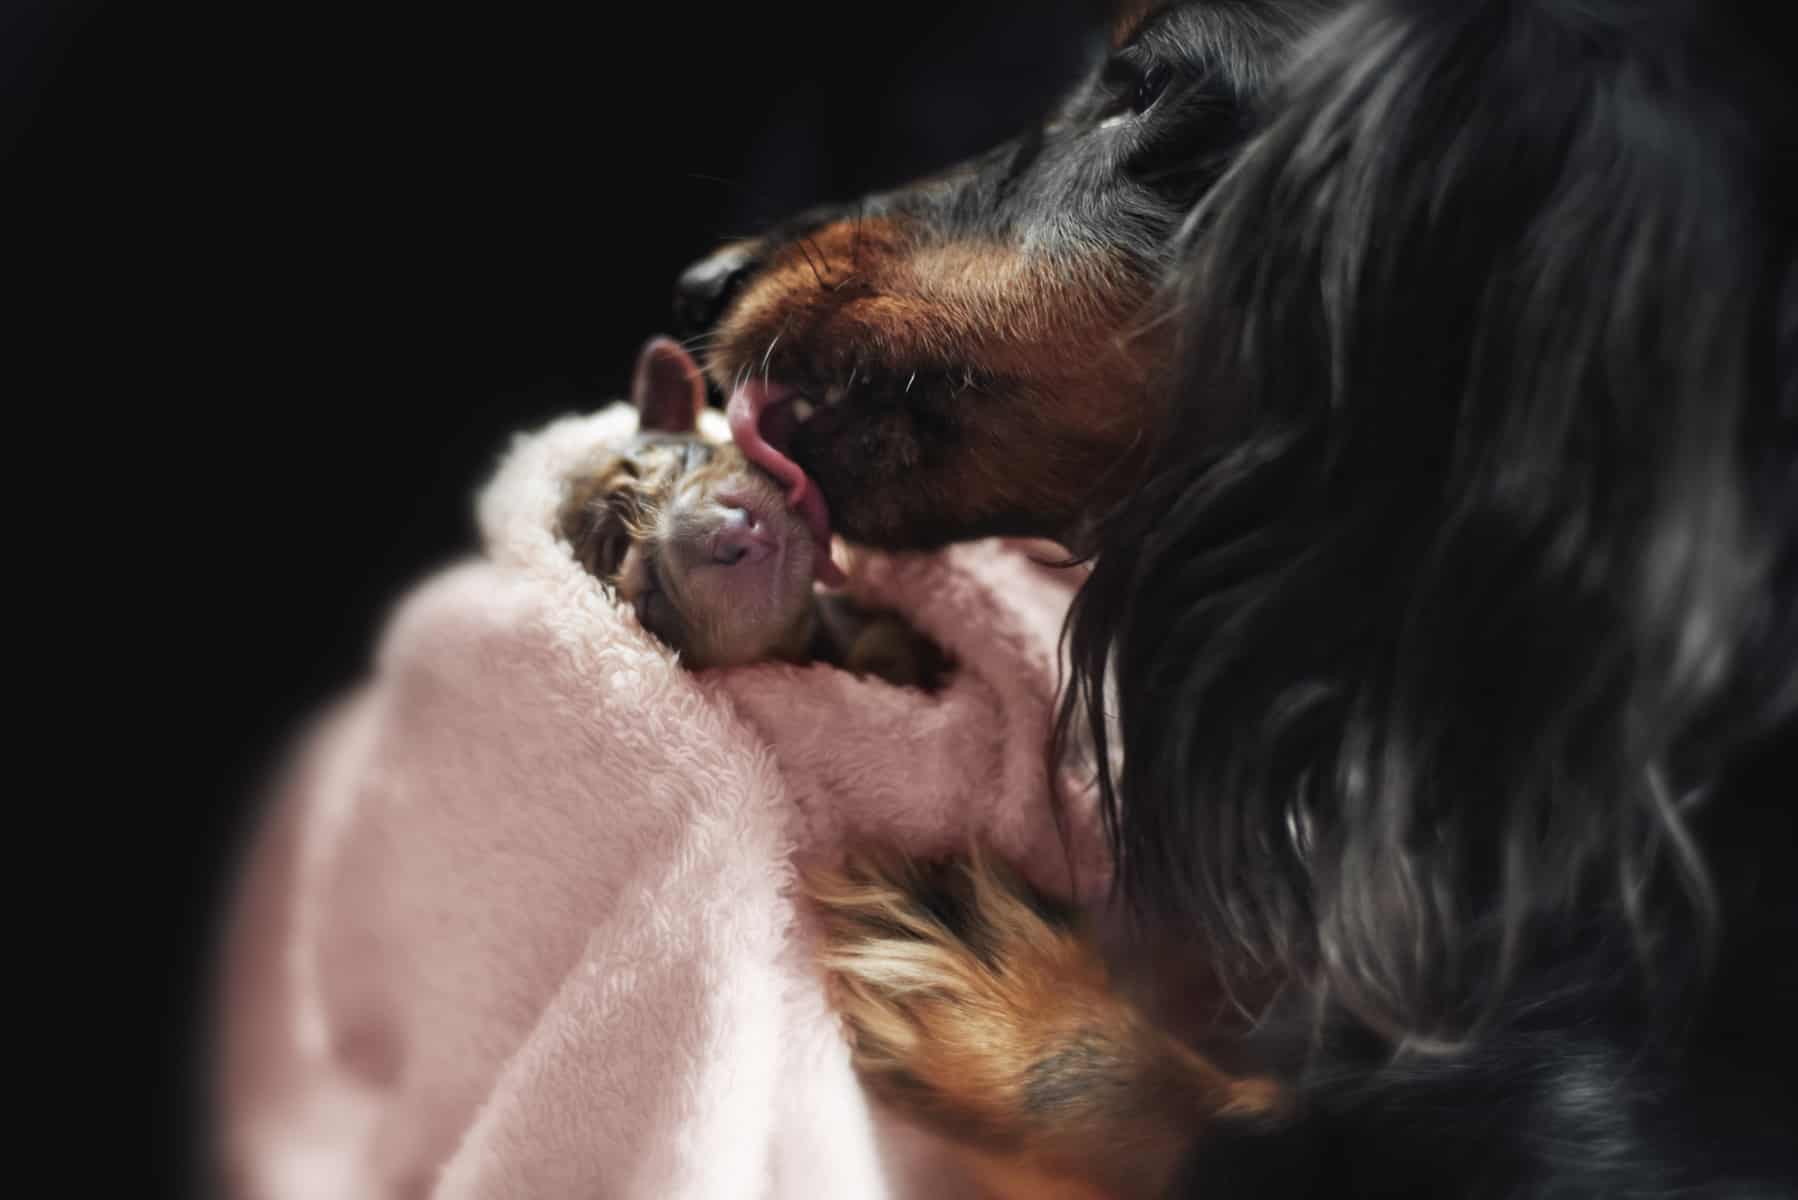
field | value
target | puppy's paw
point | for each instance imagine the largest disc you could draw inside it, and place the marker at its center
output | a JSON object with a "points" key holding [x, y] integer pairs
{"points": [[888, 648], [974, 1007]]}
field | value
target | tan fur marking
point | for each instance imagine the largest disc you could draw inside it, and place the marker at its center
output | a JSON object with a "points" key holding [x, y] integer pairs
{"points": [[1012, 1039], [1129, 16], [1066, 338]]}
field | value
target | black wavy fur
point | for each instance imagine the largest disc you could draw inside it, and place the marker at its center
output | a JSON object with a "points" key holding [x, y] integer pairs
{"points": [[1458, 687]]}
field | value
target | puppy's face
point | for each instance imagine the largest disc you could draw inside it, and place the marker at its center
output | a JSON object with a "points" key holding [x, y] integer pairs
{"points": [[698, 541], [977, 353]]}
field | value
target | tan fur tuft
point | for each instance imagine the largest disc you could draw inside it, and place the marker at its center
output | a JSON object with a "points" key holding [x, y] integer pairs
{"points": [[975, 1009]]}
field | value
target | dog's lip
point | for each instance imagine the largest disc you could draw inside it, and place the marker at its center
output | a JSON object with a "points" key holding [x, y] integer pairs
{"points": [[747, 409]]}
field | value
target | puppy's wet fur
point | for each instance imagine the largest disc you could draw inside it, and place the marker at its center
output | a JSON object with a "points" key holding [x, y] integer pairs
{"points": [[702, 547]]}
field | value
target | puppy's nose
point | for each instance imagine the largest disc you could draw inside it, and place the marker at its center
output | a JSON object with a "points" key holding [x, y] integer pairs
{"points": [[704, 288], [740, 538]]}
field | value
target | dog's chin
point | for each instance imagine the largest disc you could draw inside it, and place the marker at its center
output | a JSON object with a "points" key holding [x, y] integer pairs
{"points": [[890, 506], [889, 460], [870, 469]]}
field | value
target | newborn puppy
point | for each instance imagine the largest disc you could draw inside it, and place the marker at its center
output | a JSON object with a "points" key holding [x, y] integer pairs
{"points": [[716, 561]]}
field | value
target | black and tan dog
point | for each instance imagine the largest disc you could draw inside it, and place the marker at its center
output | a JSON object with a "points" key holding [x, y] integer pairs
{"points": [[1446, 522], [984, 352], [977, 353]]}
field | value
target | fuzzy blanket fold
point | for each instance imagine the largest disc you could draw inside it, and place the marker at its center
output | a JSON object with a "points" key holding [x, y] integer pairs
{"points": [[521, 923]]}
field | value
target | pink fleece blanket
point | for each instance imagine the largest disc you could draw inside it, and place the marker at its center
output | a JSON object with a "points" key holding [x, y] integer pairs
{"points": [[522, 923]]}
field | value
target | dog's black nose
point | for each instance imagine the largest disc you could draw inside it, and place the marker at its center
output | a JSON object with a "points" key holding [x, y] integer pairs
{"points": [[704, 288]]}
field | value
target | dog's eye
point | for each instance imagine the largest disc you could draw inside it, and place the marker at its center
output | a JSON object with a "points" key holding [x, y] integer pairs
{"points": [[655, 610], [611, 554], [1149, 86], [652, 607], [600, 544], [1133, 86]]}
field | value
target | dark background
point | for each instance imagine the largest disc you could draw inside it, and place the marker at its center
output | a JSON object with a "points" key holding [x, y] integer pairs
{"points": [[315, 263]]}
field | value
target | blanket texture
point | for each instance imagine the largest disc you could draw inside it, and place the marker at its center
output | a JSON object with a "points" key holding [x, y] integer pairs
{"points": [[521, 920]]}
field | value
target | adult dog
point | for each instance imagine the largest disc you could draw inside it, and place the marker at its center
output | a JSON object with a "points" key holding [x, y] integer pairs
{"points": [[1451, 608], [977, 353]]}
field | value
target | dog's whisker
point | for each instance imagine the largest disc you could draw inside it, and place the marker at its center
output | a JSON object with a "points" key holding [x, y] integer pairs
{"points": [[806, 245], [767, 355]]}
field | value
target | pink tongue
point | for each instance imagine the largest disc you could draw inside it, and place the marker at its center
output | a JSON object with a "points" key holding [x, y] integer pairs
{"points": [[746, 409]]}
